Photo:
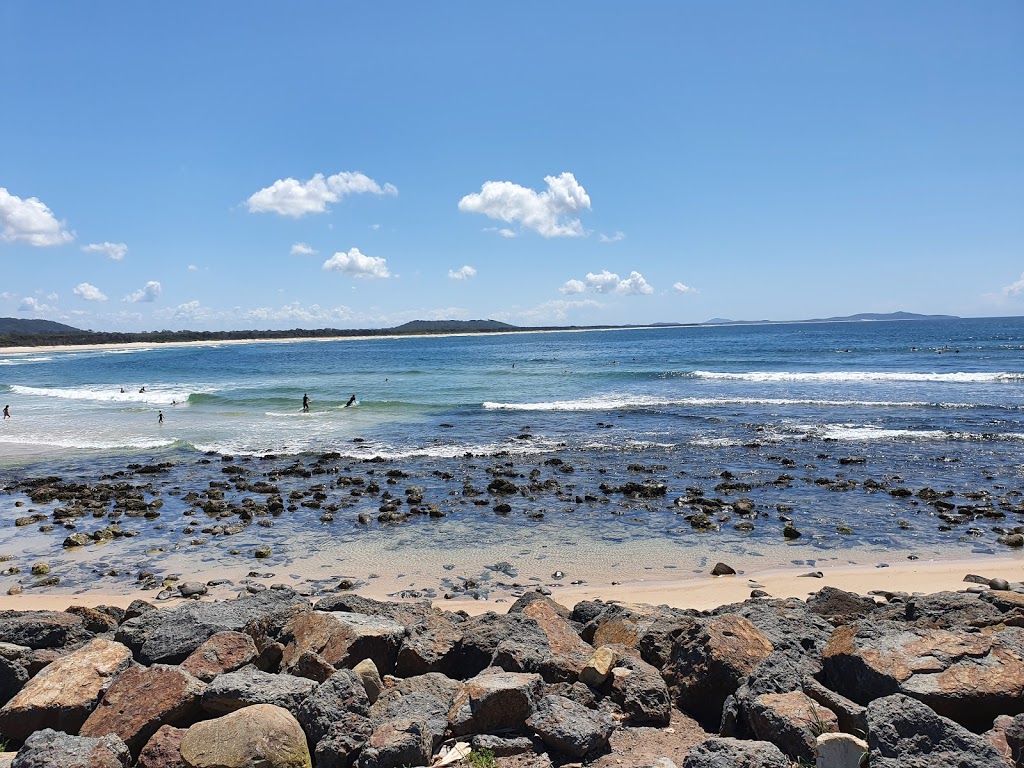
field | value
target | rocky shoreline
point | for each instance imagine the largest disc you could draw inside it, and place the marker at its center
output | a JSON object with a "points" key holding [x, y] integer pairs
{"points": [[271, 680], [142, 526]]}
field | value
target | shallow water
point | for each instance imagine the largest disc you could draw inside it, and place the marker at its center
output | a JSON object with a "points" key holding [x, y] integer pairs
{"points": [[937, 404]]}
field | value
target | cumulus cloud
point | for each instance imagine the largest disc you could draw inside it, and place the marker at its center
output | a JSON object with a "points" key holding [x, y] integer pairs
{"points": [[291, 197], [462, 273], [147, 293], [573, 286], [116, 251], [295, 312], [551, 213], [612, 238], [356, 264], [193, 268], [30, 221], [609, 282], [89, 292], [1013, 289], [682, 288], [29, 304], [301, 249]]}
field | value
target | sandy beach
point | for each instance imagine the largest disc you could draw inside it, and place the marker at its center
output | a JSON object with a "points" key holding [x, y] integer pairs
{"points": [[698, 592]]}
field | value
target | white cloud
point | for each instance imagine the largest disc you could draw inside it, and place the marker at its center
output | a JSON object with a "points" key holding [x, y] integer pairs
{"points": [[612, 238], [149, 292], [193, 268], [89, 292], [573, 286], [375, 227], [609, 282], [1014, 289], [8, 295], [291, 197], [462, 273], [549, 313], [30, 221], [293, 312], [51, 296], [29, 304], [551, 213], [357, 264], [681, 288], [116, 251], [301, 249]]}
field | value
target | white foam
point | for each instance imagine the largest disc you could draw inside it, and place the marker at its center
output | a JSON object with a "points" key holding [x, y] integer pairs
{"points": [[158, 395], [618, 402], [23, 360], [834, 376], [58, 442]]}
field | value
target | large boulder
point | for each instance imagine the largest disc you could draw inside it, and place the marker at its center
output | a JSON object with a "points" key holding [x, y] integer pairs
{"points": [[426, 708], [235, 690], [640, 690], [904, 733], [570, 728], [342, 741], [13, 677], [406, 614], [262, 736], [342, 639], [969, 677], [141, 699], [397, 743], [941, 610], [222, 652], [649, 629], [709, 659], [720, 752], [163, 750], [428, 645], [495, 701], [42, 629], [54, 749], [791, 721], [63, 694], [840, 606], [543, 643], [339, 695], [169, 636]]}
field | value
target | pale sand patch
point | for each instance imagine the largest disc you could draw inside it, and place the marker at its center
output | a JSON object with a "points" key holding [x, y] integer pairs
{"points": [[699, 592]]}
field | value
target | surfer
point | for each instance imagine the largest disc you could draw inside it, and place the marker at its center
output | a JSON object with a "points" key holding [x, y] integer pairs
{"points": [[305, 402], [122, 390], [159, 417], [141, 390], [7, 411], [351, 400]]}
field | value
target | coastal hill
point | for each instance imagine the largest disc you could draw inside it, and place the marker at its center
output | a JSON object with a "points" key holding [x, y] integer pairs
{"points": [[18, 332], [20, 326]]}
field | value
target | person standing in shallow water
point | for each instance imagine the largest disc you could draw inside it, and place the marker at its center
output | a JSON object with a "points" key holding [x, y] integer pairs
{"points": [[305, 402], [7, 411], [159, 417], [350, 401]]}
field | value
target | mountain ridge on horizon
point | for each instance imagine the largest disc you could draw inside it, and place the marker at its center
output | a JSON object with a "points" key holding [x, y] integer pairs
{"points": [[32, 332]]}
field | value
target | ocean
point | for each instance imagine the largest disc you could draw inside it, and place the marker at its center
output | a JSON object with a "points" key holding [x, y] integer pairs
{"points": [[803, 419]]}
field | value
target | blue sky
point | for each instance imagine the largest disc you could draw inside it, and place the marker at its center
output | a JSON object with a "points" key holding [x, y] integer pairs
{"points": [[258, 165]]}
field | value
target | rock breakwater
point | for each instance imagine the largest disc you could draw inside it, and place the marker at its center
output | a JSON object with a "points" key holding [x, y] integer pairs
{"points": [[273, 680]]}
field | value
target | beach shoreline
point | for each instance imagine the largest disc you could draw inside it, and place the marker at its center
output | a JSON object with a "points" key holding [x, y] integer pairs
{"points": [[700, 592]]}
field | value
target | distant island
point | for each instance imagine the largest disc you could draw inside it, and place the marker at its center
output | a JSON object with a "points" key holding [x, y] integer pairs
{"points": [[19, 332]]}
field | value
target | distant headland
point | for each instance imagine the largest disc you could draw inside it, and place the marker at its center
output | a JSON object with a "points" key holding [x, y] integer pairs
{"points": [[19, 332]]}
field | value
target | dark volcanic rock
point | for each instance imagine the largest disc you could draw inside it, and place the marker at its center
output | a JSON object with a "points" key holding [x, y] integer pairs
{"points": [[53, 749], [733, 753], [169, 636], [12, 677], [42, 629], [839, 606], [970, 677], [234, 690], [340, 695], [904, 733], [570, 728]]}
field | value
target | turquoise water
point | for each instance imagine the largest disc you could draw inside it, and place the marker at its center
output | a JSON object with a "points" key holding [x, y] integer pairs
{"points": [[802, 415], [945, 382]]}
